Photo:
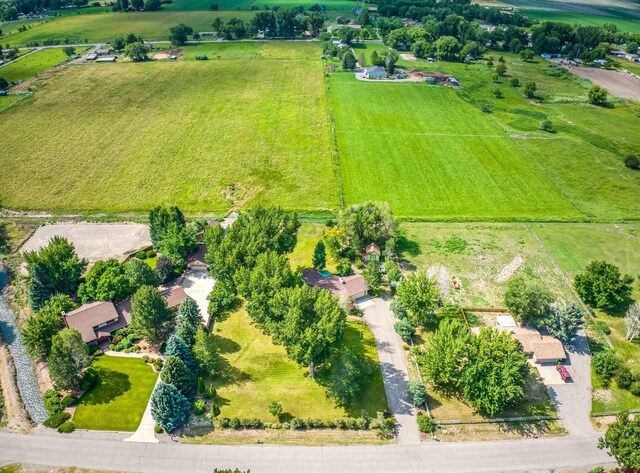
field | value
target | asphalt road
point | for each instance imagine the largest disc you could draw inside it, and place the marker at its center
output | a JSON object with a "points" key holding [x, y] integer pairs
{"points": [[536, 455]]}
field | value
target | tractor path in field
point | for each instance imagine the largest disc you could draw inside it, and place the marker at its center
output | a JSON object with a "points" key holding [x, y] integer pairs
{"points": [[380, 320]]}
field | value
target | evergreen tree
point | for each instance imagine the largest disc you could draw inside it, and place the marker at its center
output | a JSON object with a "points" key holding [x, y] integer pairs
{"points": [[176, 346], [205, 352], [169, 408], [189, 320], [319, 256], [175, 372]]}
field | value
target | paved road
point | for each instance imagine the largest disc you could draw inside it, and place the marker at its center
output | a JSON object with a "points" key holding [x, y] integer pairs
{"points": [[380, 320], [541, 455], [573, 400]]}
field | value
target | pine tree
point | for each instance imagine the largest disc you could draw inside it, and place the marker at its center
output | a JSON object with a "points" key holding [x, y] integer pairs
{"points": [[319, 256], [169, 408], [176, 346], [189, 321], [176, 373]]}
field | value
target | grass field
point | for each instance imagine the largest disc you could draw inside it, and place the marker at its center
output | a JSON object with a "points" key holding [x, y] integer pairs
{"points": [[252, 367], [32, 64], [105, 26], [7, 100], [624, 22], [185, 5], [427, 152], [200, 127], [308, 237], [120, 397]]}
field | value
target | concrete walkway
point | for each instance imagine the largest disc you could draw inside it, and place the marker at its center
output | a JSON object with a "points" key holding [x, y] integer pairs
{"points": [[380, 320], [145, 432]]}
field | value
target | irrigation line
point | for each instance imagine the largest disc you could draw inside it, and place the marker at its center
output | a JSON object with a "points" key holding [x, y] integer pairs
{"points": [[571, 288]]}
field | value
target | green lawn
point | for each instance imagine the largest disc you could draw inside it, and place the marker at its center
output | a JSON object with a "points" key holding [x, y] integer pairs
{"points": [[191, 129], [428, 152], [120, 397], [32, 64], [308, 237], [105, 26], [254, 372]]}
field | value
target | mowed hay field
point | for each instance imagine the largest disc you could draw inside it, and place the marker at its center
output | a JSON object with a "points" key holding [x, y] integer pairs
{"points": [[427, 152], [203, 135]]}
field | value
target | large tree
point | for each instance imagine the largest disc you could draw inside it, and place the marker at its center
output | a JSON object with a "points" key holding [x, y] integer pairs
{"points": [[177, 347], [169, 408], [179, 34], [105, 281], [420, 295], [564, 322], [69, 356], [308, 322], [366, 223], [528, 301], [444, 355], [623, 440], [319, 256], [53, 269], [171, 235], [602, 285], [189, 320], [150, 316], [349, 372], [140, 274], [136, 51], [175, 372], [205, 352], [40, 328]]}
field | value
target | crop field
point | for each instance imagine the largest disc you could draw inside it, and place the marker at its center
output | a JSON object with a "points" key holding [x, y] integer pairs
{"points": [[104, 27], [32, 64], [185, 5], [624, 22], [427, 152], [202, 135]]}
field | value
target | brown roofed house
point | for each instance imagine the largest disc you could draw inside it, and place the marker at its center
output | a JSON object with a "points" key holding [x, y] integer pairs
{"points": [[96, 321], [354, 287], [544, 349], [372, 252]]}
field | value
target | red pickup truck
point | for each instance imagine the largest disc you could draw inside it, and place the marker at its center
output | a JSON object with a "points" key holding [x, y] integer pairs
{"points": [[564, 374]]}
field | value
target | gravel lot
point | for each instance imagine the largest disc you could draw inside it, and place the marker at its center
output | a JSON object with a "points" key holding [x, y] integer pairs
{"points": [[94, 241]]}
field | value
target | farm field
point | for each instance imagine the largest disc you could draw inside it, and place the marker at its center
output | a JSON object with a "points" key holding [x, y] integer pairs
{"points": [[7, 100], [120, 397], [624, 22], [185, 5], [252, 367], [32, 64], [104, 27], [396, 143], [199, 129]]}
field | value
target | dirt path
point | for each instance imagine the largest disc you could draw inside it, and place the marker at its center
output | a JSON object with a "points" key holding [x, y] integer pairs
{"points": [[616, 82], [16, 415]]}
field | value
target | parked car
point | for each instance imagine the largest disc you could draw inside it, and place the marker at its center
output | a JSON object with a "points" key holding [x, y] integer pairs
{"points": [[564, 373]]}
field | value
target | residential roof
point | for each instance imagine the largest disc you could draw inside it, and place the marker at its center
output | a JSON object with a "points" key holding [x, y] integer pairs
{"points": [[378, 69], [549, 348], [196, 259], [527, 336], [373, 248], [348, 285], [88, 316]]}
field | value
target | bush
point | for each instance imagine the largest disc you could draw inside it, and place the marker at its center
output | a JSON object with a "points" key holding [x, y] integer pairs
{"points": [[69, 401], [67, 428], [605, 363], [497, 93], [141, 255], [486, 108], [151, 254], [624, 378], [225, 422], [547, 126], [235, 423], [404, 328], [203, 57], [297, 424], [201, 386], [417, 392], [158, 429], [635, 388], [56, 420], [52, 402], [632, 162], [514, 82], [604, 328], [210, 393], [199, 407], [425, 424], [126, 343]]}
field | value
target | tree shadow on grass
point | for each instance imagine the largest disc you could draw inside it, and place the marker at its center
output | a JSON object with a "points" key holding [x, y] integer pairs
{"points": [[111, 384], [226, 374]]}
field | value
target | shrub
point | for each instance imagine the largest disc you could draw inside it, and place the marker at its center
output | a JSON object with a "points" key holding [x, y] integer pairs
{"points": [[225, 422], [67, 428], [56, 420], [604, 328], [52, 402], [141, 255], [514, 82], [417, 392], [199, 407], [547, 126], [126, 343], [235, 423], [201, 386], [297, 424], [624, 378], [151, 254], [425, 424], [635, 388], [69, 401], [605, 363], [158, 429], [486, 108], [405, 329], [256, 423], [210, 392], [497, 93], [133, 337], [632, 162], [341, 424], [214, 412], [362, 423]]}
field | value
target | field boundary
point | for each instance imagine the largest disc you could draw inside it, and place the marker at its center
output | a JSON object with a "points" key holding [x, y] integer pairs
{"points": [[614, 413], [24, 96], [496, 420], [334, 136]]}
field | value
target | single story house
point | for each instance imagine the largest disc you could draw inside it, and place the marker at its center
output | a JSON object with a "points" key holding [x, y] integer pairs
{"points": [[352, 287], [372, 252], [544, 349], [375, 72], [92, 56], [96, 321], [103, 52], [196, 261]]}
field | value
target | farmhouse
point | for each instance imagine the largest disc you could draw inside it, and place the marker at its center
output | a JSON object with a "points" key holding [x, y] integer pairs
{"points": [[353, 287], [96, 321], [375, 72], [103, 52], [544, 349]]}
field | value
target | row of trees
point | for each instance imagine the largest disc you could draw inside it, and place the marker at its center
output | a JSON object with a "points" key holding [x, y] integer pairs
{"points": [[171, 235]]}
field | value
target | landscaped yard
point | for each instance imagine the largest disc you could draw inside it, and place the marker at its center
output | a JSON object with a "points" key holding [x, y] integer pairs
{"points": [[120, 397], [202, 136], [254, 372]]}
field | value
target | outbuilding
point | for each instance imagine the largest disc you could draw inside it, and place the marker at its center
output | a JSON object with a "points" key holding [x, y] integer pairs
{"points": [[375, 72]]}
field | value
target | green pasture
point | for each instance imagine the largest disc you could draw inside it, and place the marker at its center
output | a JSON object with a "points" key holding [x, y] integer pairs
{"points": [[253, 372], [191, 129], [185, 5], [104, 27], [120, 397], [33, 64], [624, 22], [428, 152], [7, 100], [221, 51]]}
